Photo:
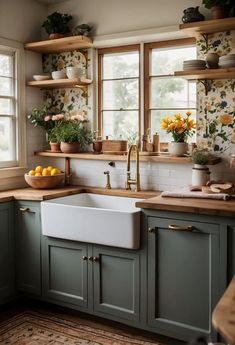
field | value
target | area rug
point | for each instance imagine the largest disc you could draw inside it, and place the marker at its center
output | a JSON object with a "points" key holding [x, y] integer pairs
{"points": [[35, 328]]}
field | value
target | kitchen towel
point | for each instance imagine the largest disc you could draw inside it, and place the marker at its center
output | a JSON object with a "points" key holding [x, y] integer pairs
{"points": [[185, 193]]}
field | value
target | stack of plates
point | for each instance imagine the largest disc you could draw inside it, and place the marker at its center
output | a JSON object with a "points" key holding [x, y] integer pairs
{"points": [[227, 61], [194, 64]]}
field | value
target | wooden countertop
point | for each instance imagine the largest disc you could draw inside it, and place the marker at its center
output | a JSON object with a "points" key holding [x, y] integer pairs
{"points": [[45, 194], [191, 205], [223, 317]]}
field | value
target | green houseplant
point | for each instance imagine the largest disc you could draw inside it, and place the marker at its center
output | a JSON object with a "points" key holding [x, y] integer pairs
{"points": [[219, 8], [72, 135], [56, 24], [200, 156]]}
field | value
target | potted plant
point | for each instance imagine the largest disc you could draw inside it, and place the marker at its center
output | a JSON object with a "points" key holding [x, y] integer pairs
{"points": [[180, 128], [72, 135], [200, 172], [219, 8], [56, 25]]}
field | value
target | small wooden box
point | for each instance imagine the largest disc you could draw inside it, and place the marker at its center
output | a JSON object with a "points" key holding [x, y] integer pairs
{"points": [[114, 146]]}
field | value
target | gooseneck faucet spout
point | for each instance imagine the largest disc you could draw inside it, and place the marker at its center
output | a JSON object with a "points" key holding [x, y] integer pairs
{"points": [[135, 181]]}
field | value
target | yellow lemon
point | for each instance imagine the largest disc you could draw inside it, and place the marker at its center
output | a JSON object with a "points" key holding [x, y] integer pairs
{"points": [[39, 169], [46, 172], [31, 173], [38, 174], [55, 171], [49, 168]]}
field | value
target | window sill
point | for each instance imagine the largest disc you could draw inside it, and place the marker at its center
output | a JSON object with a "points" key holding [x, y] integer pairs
{"points": [[161, 158], [12, 172]]}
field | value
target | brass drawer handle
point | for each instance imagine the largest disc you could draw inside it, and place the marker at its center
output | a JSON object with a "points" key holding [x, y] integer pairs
{"points": [[151, 229], [84, 257], [90, 258], [180, 228], [95, 259], [24, 209]]}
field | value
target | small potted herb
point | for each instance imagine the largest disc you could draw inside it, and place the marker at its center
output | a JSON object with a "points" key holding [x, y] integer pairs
{"points": [[56, 25], [219, 8], [200, 172]]}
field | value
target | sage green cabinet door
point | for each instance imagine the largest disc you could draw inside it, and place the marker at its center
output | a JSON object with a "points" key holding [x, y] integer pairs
{"points": [[116, 282], [6, 252], [65, 271], [183, 277], [28, 247]]}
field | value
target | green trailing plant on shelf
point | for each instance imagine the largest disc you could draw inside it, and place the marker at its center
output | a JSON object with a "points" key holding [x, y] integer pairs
{"points": [[220, 8], [57, 23], [221, 3]]}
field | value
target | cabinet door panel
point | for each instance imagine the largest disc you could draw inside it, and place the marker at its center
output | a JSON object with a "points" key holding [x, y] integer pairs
{"points": [[64, 271], [6, 252], [28, 247], [116, 283], [183, 276]]}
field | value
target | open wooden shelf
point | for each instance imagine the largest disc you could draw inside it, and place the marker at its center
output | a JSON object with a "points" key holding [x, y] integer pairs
{"points": [[220, 73], [196, 29], [60, 83], [60, 44], [164, 158]]}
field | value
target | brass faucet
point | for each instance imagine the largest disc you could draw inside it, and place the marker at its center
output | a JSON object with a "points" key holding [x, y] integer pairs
{"points": [[108, 185], [135, 181]]}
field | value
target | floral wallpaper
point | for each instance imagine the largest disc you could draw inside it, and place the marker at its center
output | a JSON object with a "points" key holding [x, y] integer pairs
{"points": [[66, 99], [216, 109]]}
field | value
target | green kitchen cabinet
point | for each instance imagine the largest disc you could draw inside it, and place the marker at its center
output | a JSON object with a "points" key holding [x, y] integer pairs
{"points": [[186, 273], [101, 280], [28, 247], [6, 251], [65, 272]]}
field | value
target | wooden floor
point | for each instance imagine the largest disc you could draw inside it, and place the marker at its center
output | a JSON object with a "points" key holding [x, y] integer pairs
{"points": [[18, 306]]}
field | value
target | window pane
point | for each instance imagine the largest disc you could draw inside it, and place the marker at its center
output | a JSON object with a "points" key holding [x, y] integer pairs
{"points": [[5, 106], [168, 60], [5, 86], [6, 139], [172, 93], [120, 94], [5, 65], [158, 115], [121, 124], [121, 65]]}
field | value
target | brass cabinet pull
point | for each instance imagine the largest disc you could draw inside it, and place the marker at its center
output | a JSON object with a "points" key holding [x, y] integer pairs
{"points": [[24, 209], [95, 259], [180, 228], [151, 229], [84, 257], [90, 258]]}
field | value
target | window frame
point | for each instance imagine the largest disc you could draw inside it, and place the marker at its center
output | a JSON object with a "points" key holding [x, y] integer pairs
{"points": [[148, 47], [16, 167], [101, 53]]}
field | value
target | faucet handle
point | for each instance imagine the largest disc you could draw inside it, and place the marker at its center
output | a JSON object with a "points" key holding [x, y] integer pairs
{"points": [[108, 185]]}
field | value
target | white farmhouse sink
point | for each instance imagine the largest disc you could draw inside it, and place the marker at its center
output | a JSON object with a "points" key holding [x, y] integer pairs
{"points": [[93, 218]]}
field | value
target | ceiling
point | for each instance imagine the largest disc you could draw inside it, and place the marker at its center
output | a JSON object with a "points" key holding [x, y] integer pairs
{"points": [[50, 2]]}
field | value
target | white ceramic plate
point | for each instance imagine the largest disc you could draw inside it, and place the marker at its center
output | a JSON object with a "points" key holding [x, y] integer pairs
{"points": [[40, 77]]}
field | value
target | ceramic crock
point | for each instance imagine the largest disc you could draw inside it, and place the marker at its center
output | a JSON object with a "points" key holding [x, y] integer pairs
{"points": [[177, 149]]}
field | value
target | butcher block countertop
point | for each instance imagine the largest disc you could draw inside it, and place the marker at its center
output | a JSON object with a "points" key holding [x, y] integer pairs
{"points": [[191, 205], [46, 194]]}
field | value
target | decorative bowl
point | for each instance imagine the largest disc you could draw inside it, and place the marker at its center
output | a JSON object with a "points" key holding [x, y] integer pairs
{"points": [[44, 182], [58, 75], [74, 72], [40, 77]]}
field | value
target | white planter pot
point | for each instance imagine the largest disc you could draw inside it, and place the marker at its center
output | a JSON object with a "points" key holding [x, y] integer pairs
{"points": [[177, 149], [200, 175]]}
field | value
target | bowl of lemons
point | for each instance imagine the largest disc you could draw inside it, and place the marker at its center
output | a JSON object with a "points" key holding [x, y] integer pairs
{"points": [[44, 177]]}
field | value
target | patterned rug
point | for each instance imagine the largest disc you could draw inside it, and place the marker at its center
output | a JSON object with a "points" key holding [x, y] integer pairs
{"points": [[36, 328]]}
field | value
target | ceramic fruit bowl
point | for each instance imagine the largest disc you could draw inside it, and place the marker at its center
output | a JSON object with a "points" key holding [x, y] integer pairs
{"points": [[44, 182], [40, 77]]}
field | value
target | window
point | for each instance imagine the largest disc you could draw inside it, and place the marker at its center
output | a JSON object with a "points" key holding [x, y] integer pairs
{"points": [[119, 106], [119, 87], [10, 86], [164, 93]]}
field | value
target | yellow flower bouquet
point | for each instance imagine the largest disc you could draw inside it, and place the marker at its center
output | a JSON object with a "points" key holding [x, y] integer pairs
{"points": [[180, 127]]}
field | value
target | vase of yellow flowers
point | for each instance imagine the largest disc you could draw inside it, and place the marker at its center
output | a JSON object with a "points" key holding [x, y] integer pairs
{"points": [[180, 127]]}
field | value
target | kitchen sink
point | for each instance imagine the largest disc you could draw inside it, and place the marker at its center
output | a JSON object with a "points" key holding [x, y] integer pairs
{"points": [[93, 218]]}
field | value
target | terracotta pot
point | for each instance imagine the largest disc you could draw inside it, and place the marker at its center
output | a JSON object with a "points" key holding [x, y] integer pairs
{"points": [[97, 146], [55, 147], [218, 12], [53, 36], [70, 147], [177, 149]]}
